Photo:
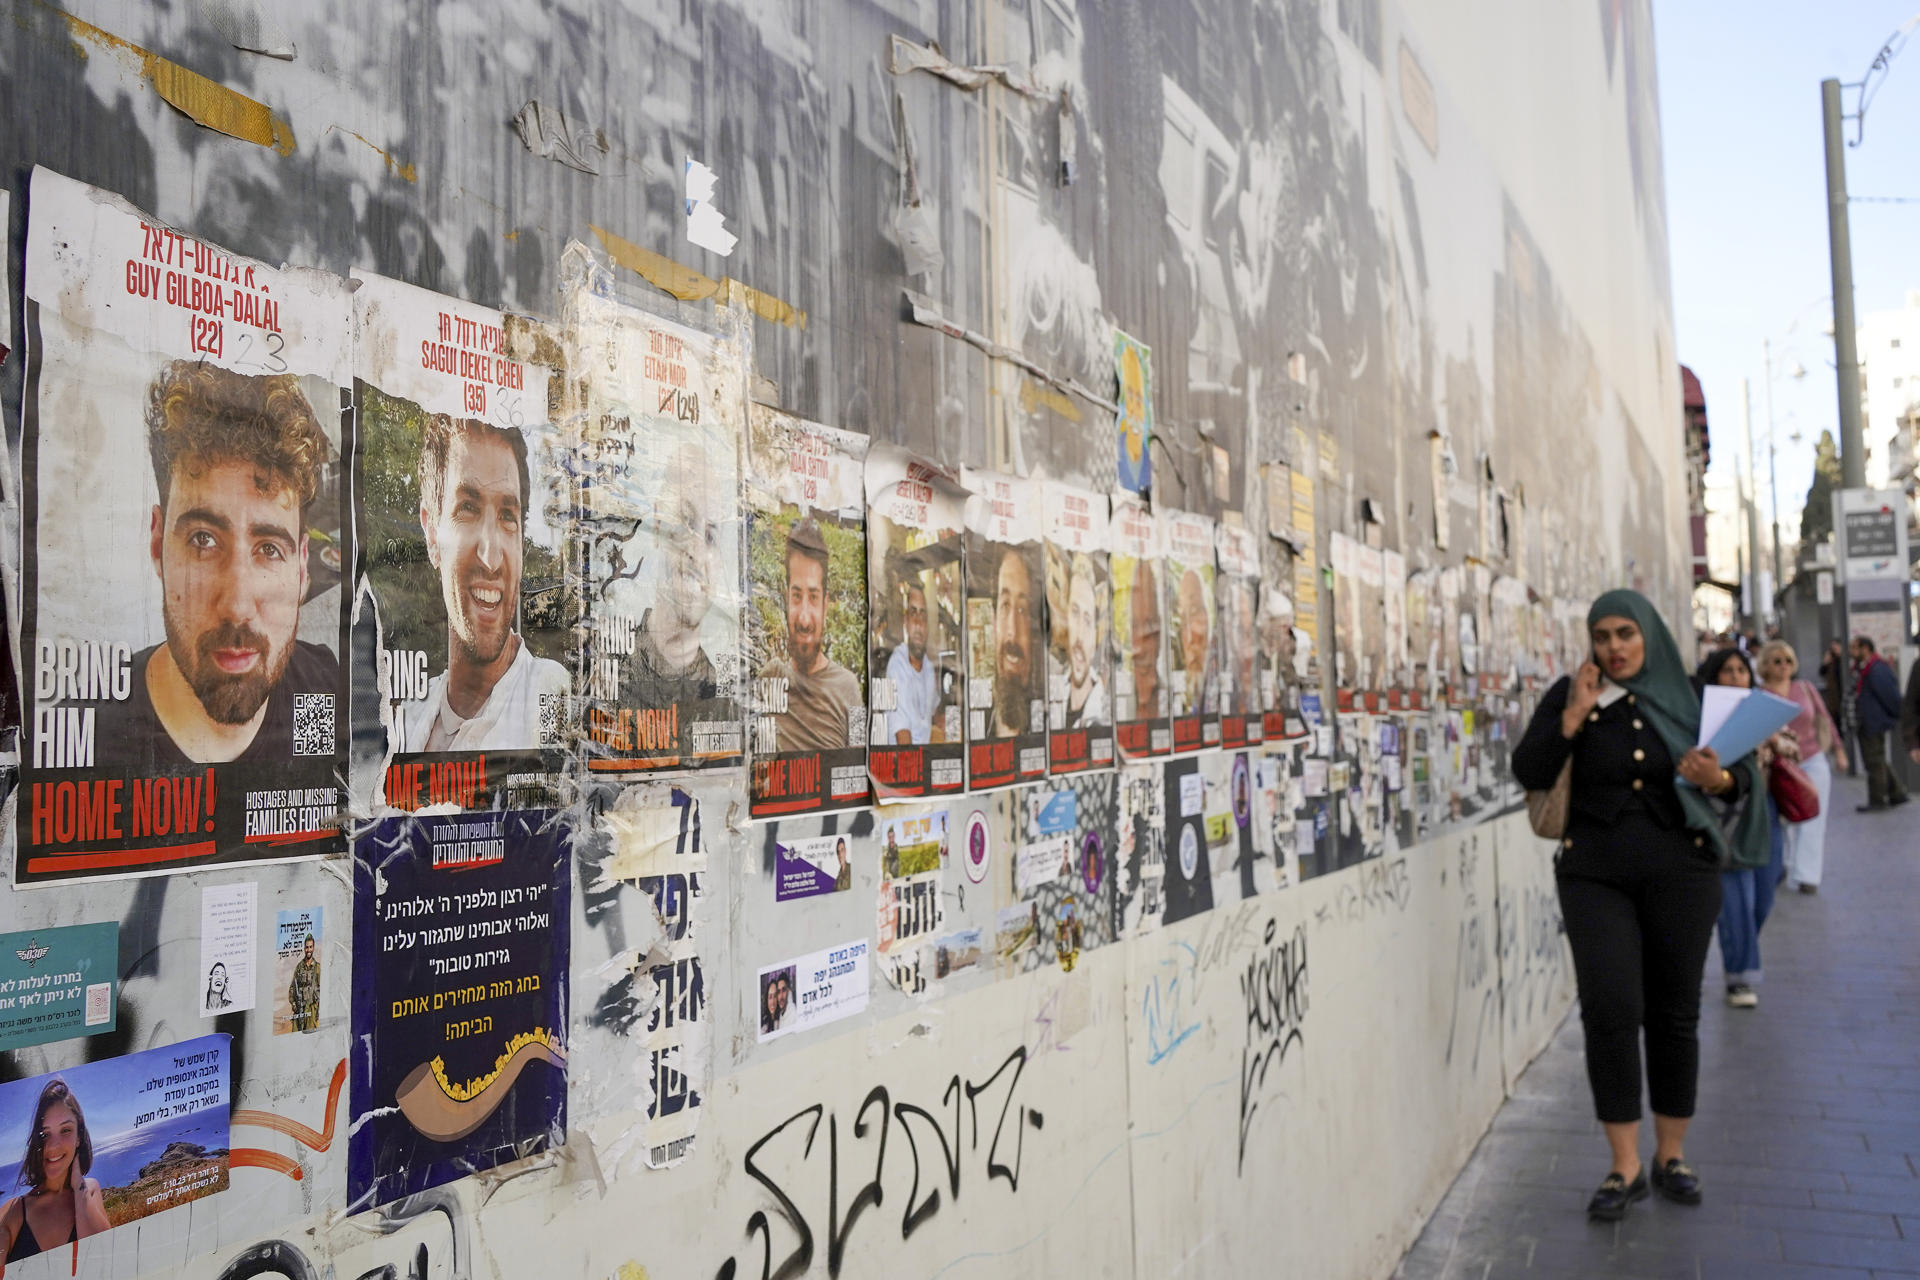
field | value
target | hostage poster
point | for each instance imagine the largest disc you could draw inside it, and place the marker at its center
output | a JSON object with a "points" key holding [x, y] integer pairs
{"points": [[1243, 710], [653, 457], [807, 614], [182, 544], [1133, 371], [1079, 666], [914, 512], [1140, 661], [1006, 683], [149, 1129], [1194, 669], [460, 929], [462, 512]]}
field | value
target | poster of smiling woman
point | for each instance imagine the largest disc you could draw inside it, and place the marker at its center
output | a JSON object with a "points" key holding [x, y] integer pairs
{"points": [[181, 548]]}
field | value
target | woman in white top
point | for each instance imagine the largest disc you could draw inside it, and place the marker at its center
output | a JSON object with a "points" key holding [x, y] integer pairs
{"points": [[1814, 730]]}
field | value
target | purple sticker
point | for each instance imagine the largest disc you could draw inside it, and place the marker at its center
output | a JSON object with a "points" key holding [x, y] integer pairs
{"points": [[1093, 868], [979, 847]]}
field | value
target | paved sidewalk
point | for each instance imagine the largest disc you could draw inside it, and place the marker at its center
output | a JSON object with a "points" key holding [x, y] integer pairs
{"points": [[1808, 1136]]}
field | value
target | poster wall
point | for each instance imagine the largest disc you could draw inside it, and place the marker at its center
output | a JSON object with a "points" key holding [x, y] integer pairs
{"points": [[1194, 667], [1140, 703], [806, 614], [652, 447], [1079, 659], [460, 932], [1006, 637], [462, 506], [149, 1128], [182, 550], [1243, 706], [915, 509]]}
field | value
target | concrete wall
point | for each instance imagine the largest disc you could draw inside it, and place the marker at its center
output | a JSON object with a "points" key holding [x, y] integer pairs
{"points": [[1345, 230]]}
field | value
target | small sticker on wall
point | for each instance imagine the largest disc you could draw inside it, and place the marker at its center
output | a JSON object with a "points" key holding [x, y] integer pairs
{"points": [[227, 921], [1093, 866], [812, 990], [57, 983], [1189, 851], [296, 971], [979, 847]]}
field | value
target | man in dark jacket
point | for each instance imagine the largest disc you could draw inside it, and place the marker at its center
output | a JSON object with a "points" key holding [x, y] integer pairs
{"points": [[1877, 692], [1836, 678]]}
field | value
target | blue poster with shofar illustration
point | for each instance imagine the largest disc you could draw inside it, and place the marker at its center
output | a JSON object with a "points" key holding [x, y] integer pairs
{"points": [[460, 943]]}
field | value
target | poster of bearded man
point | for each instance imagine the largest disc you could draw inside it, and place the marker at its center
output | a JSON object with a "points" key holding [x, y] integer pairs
{"points": [[1006, 644], [652, 433], [182, 540], [1079, 659]]}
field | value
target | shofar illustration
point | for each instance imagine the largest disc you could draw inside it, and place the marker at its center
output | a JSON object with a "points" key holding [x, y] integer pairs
{"points": [[447, 1112]]}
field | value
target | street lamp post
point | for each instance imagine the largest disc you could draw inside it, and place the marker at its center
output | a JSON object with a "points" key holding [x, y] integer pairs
{"points": [[1755, 611]]}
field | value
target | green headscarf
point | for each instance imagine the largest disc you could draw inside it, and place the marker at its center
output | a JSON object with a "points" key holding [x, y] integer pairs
{"points": [[1663, 692]]}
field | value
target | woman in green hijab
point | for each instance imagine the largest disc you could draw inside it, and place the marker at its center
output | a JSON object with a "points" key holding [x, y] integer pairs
{"points": [[1650, 820]]}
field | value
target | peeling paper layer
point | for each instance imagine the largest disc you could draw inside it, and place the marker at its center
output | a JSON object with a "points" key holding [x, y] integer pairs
{"points": [[924, 312], [205, 102], [546, 133], [688, 285]]}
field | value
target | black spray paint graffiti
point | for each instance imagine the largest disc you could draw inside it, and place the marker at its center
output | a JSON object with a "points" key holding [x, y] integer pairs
{"points": [[877, 1112], [1274, 989], [1533, 958]]}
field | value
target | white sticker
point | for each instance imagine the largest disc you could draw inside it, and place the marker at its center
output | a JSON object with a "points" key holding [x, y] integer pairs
{"points": [[812, 990], [979, 848], [1043, 862], [1189, 851], [99, 1000], [226, 948], [1193, 795]]}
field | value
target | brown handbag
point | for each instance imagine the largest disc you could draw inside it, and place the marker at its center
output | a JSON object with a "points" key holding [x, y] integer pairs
{"points": [[1547, 810]]}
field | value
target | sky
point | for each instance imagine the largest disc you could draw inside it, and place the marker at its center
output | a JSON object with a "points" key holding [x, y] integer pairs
{"points": [[1747, 205]]}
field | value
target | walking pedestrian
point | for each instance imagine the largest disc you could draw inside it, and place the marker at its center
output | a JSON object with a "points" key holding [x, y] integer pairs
{"points": [[1818, 739], [1637, 873], [1746, 893], [1877, 693], [1836, 678]]}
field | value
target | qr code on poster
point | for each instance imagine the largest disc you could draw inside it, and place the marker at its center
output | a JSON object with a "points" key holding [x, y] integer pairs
{"points": [[313, 724], [550, 718]]}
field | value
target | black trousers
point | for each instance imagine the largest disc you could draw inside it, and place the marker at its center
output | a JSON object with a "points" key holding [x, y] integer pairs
{"points": [[1640, 903], [1883, 784]]}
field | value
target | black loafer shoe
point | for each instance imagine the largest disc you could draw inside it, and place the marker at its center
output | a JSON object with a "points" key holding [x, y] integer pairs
{"points": [[1677, 1182], [1609, 1203]]}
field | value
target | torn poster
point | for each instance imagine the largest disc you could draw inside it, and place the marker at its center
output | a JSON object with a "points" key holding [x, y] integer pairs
{"points": [[812, 990], [1133, 368], [1079, 659], [58, 983], [1242, 707], [915, 509], [151, 1133], [1194, 673], [653, 449], [458, 486], [806, 615], [913, 857], [1139, 858], [183, 694], [1393, 615], [1006, 686], [1139, 605], [658, 844], [460, 928]]}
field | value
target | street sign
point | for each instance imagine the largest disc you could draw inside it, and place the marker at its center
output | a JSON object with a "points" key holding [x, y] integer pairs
{"points": [[1871, 528]]}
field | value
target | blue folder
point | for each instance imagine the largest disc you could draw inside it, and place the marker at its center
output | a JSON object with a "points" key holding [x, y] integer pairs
{"points": [[1758, 717]]}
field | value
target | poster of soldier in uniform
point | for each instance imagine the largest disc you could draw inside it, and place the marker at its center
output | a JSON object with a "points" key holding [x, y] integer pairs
{"points": [[916, 744], [1194, 666], [463, 519], [182, 540], [1079, 670], [1242, 717], [806, 614], [651, 440], [1006, 638], [1140, 704]]}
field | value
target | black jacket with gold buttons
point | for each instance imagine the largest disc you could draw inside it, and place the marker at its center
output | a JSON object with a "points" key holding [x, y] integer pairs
{"points": [[1619, 760]]}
